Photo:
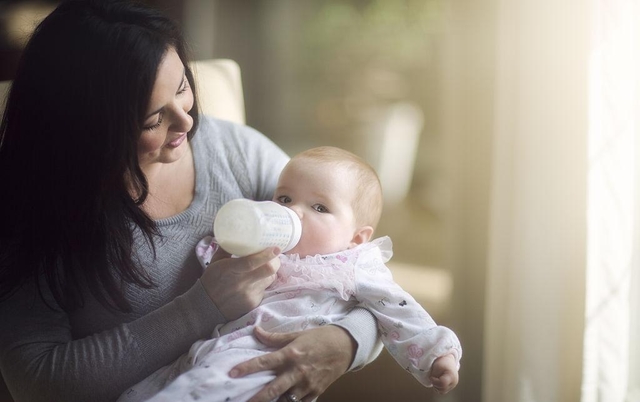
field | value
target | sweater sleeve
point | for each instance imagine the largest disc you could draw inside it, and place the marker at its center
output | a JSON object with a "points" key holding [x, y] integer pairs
{"points": [[40, 361], [360, 323]]}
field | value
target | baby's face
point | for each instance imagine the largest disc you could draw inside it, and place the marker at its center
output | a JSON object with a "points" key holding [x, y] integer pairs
{"points": [[322, 198]]}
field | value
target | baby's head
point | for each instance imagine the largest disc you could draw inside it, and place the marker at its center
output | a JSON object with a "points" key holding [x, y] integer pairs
{"points": [[337, 196]]}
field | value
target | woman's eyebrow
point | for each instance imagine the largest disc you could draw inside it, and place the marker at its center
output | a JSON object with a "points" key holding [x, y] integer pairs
{"points": [[184, 73]]}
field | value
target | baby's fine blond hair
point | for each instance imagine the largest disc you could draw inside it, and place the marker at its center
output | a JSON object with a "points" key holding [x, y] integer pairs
{"points": [[367, 203]]}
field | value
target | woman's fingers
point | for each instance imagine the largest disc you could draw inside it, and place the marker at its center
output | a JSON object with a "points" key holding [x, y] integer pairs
{"points": [[257, 260], [274, 339], [305, 363], [288, 374], [268, 269], [236, 285], [279, 387], [271, 361], [294, 380], [219, 254]]}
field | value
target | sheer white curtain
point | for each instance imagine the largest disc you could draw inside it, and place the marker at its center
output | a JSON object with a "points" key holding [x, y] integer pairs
{"points": [[562, 277], [610, 360]]}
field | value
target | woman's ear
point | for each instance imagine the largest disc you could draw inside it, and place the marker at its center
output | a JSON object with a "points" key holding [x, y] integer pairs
{"points": [[362, 235]]}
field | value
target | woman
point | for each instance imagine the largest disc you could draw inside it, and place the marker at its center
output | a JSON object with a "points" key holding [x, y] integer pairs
{"points": [[109, 181]]}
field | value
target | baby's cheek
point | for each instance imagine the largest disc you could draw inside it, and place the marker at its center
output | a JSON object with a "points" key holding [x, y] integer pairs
{"points": [[308, 243], [323, 241]]}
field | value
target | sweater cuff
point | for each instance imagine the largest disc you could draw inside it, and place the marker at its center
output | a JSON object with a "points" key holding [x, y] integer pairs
{"points": [[362, 326], [207, 316]]}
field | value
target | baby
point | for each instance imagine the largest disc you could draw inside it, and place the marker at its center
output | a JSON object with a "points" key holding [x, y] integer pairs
{"points": [[332, 269]]}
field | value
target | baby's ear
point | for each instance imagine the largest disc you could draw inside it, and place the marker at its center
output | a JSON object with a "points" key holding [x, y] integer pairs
{"points": [[362, 235]]}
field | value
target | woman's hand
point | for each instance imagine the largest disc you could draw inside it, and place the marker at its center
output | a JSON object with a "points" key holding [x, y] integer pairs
{"points": [[236, 285], [306, 363]]}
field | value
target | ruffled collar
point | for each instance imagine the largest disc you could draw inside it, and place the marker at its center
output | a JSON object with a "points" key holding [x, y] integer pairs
{"points": [[333, 272], [383, 245]]}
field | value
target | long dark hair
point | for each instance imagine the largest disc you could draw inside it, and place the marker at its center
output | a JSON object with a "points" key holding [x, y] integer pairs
{"points": [[69, 175]]}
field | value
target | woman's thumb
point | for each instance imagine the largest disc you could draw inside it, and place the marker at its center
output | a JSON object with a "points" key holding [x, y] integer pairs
{"points": [[274, 339]]}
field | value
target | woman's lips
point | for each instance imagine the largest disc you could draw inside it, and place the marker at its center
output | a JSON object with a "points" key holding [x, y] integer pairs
{"points": [[176, 143]]}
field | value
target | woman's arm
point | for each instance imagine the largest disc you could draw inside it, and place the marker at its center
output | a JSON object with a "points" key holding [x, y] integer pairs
{"points": [[40, 361], [361, 325]]}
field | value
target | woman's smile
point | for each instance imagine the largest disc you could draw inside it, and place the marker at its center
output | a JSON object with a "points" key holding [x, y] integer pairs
{"points": [[176, 143]]}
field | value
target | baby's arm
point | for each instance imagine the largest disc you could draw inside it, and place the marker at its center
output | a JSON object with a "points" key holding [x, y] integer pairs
{"points": [[431, 353]]}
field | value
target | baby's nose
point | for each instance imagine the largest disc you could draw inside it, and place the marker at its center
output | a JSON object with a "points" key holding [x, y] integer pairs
{"points": [[296, 209]]}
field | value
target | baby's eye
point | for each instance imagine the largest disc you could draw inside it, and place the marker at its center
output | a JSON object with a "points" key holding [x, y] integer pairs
{"points": [[321, 208], [283, 199]]}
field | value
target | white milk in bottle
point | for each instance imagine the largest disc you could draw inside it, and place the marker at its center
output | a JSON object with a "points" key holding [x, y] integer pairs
{"points": [[244, 227]]}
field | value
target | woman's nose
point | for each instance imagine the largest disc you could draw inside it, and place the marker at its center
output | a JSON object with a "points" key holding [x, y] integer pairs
{"points": [[182, 121]]}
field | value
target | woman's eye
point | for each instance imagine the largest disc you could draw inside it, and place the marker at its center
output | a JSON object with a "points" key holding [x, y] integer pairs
{"points": [[156, 125], [283, 199], [321, 208], [185, 86]]}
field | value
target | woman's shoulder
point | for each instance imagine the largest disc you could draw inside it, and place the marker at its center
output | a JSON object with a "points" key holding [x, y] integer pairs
{"points": [[230, 139], [216, 136], [228, 150], [210, 123], [217, 131]]}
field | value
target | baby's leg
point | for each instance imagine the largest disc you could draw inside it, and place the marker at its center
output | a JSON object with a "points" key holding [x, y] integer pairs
{"points": [[208, 380], [151, 385]]}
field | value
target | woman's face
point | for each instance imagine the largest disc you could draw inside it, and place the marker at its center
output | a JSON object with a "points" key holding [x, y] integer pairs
{"points": [[322, 198], [164, 136]]}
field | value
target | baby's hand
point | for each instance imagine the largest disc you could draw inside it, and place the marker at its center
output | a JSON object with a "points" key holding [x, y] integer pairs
{"points": [[444, 374]]}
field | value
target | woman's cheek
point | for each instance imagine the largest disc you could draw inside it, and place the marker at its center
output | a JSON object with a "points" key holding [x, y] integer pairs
{"points": [[149, 143]]}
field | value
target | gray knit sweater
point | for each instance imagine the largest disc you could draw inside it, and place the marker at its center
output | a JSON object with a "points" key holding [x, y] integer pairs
{"points": [[93, 354]]}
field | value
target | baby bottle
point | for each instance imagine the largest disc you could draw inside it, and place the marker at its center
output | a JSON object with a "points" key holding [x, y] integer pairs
{"points": [[244, 227]]}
